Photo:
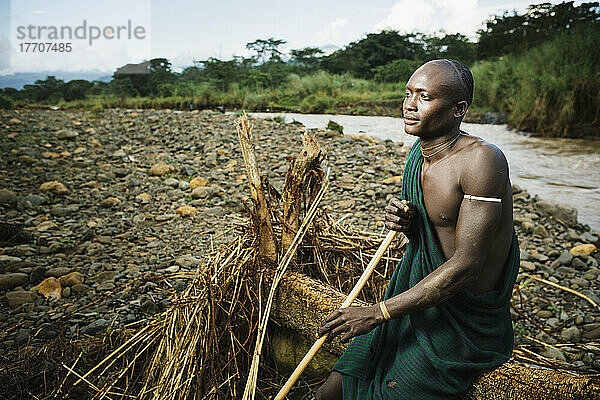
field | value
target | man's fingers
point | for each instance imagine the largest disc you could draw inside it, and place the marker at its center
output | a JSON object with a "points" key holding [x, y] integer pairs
{"points": [[336, 332], [396, 219]]}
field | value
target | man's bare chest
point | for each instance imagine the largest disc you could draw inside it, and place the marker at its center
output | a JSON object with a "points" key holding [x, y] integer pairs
{"points": [[442, 194]]}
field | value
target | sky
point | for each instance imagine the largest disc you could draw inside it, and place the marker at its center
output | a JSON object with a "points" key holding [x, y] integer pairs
{"points": [[184, 30]]}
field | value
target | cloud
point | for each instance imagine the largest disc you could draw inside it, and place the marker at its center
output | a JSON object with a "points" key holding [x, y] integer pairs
{"points": [[331, 33], [428, 16], [38, 12]]}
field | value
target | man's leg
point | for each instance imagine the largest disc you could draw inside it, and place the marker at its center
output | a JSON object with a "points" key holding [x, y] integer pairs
{"points": [[332, 388]]}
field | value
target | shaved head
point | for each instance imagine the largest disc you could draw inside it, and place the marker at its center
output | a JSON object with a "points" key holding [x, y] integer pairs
{"points": [[460, 77]]}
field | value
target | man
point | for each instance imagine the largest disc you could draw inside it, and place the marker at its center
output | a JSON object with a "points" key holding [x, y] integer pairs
{"points": [[446, 311]]}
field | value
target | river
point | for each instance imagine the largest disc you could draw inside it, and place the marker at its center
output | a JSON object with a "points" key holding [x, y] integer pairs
{"points": [[565, 171]]}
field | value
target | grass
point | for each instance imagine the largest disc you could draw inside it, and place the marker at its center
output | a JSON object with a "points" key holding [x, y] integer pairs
{"points": [[551, 89]]}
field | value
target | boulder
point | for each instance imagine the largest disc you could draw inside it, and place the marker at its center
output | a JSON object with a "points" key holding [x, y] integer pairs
{"points": [[566, 214], [50, 288], [583, 249], [160, 169], [53, 187], [19, 297], [74, 278], [8, 198], [12, 280]]}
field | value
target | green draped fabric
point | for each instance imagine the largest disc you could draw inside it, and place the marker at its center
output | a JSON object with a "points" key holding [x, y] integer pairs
{"points": [[435, 353]]}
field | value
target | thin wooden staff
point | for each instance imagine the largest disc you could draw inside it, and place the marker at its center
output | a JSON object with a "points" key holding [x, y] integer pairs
{"points": [[351, 297]]}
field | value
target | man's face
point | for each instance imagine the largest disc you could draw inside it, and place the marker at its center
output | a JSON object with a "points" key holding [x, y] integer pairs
{"points": [[429, 106]]}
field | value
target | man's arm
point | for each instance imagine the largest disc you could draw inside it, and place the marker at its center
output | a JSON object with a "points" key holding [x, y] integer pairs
{"points": [[478, 221]]}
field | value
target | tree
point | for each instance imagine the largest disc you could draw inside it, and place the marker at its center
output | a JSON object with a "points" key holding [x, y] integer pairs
{"points": [[306, 58], [510, 33], [266, 49]]}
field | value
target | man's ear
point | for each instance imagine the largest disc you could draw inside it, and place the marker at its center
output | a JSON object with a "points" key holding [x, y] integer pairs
{"points": [[461, 109]]}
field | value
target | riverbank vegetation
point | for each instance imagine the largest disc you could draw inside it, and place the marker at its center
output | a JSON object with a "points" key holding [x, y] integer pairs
{"points": [[539, 67]]}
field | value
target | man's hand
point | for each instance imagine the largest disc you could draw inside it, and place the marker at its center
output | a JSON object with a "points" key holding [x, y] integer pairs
{"points": [[353, 321], [399, 215]]}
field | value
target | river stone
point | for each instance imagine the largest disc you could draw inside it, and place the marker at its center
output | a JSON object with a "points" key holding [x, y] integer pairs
{"points": [[19, 297], [583, 250], [565, 258], [57, 272], [187, 261], [50, 288], [540, 230], [198, 182], [171, 182], [571, 334], [8, 198], [72, 279], [160, 169], [67, 134], [527, 227], [95, 327], [545, 314], [35, 199], [593, 334], [54, 187], [12, 280], [589, 237], [61, 211], [566, 214], [552, 352], [578, 263], [527, 266], [37, 275], [584, 283]]}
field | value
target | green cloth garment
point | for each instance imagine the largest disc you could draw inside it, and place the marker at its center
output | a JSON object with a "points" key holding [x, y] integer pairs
{"points": [[435, 353]]}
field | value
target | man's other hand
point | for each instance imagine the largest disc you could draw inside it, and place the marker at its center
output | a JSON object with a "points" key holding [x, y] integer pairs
{"points": [[351, 322], [399, 215]]}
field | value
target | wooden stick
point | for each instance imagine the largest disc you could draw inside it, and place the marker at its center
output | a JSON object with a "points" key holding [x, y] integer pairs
{"points": [[566, 289], [351, 297]]}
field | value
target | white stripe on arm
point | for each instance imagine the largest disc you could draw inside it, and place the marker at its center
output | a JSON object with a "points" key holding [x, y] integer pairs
{"points": [[470, 197]]}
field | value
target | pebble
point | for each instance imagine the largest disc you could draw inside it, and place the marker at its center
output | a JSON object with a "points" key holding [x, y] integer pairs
{"points": [[12, 280]]}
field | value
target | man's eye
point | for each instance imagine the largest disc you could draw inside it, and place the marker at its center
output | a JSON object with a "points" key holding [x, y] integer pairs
{"points": [[424, 97]]}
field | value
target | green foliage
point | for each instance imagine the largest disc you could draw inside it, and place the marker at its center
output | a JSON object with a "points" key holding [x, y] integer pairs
{"points": [[6, 102], [551, 89], [334, 126], [396, 71], [510, 33]]}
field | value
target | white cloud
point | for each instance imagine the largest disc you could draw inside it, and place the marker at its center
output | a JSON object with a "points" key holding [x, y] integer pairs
{"points": [[428, 16], [331, 33]]}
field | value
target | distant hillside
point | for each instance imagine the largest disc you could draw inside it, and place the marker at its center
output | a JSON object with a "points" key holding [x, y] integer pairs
{"points": [[20, 79]]}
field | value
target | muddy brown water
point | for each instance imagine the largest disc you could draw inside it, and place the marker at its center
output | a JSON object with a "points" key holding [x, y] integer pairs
{"points": [[565, 171]]}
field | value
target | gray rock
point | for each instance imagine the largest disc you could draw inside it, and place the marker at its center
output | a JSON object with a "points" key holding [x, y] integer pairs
{"points": [[553, 322], [565, 258], [12, 280], [540, 230], [581, 282], [95, 327], [184, 185], [571, 334], [66, 292], [527, 266], [172, 182], [8, 198], [540, 257], [589, 237], [35, 199], [37, 275], [552, 352], [148, 307], [4, 259], [173, 269], [19, 297], [57, 272], [566, 214], [187, 261], [61, 211], [67, 134], [544, 314], [578, 263]]}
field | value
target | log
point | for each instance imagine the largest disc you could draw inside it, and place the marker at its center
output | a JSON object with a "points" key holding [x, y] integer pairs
{"points": [[308, 159], [261, 213], [302, 303]]}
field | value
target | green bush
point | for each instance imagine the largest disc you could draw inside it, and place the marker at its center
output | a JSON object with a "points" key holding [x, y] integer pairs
{"points": [[6, 102], [551, 89]]}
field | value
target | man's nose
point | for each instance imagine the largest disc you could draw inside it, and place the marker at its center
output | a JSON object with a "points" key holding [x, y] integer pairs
{"points": [[409, 103]]}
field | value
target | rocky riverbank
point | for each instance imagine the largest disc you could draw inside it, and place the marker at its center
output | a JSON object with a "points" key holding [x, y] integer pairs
{"points": [[100, 212]]}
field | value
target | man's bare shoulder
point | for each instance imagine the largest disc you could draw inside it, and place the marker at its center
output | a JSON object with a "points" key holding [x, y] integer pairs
{"points": [[484, 169]]}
